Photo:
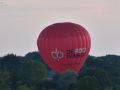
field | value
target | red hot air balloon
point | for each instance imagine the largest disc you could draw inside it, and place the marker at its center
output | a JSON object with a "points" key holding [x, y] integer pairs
{"points": [[64, 46]]}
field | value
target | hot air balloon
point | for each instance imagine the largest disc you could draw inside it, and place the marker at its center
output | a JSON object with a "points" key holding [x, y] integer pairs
{"points": [[64, 46]]}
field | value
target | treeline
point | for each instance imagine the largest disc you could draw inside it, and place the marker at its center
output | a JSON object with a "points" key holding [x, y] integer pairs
{"points": [[31, 73]]}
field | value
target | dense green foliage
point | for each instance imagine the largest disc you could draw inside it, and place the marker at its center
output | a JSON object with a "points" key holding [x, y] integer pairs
{"points": [[31, 73]]}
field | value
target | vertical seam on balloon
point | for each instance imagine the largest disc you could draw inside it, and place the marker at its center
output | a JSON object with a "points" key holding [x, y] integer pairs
{"points": [[81, 45], [85, 44], [89, 41], [69, 42], [71, 35], [64, 38], [78, 44], [67, 37], [56, 63], [52, 44], [45, 48], [72, 42], [47, 41]]}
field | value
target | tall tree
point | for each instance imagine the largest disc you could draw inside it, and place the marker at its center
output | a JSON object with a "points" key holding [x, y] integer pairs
{"points": [[4, 79], [88, 83], [66, 80], [33, 72]]}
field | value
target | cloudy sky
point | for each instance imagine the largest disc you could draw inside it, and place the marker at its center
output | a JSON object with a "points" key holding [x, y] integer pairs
{"points": [[21, 21]]}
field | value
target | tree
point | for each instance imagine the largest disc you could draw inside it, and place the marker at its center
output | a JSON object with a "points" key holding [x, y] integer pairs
{"points": [[13, 64], [66, 80], [4, 78], [33, 72], [87, 83], [34, 56], [103, 78], [47, 84], [24, 87]]}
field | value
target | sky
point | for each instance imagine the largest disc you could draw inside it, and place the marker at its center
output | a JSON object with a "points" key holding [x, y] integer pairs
{"points": [[21, 21]]}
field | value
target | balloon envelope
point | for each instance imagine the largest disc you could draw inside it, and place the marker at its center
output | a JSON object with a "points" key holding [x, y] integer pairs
{"points": [[64, 46]]}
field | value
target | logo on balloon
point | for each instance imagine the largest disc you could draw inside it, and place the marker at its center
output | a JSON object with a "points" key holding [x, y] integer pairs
{"points": [[56, 54], [75, 53]]}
